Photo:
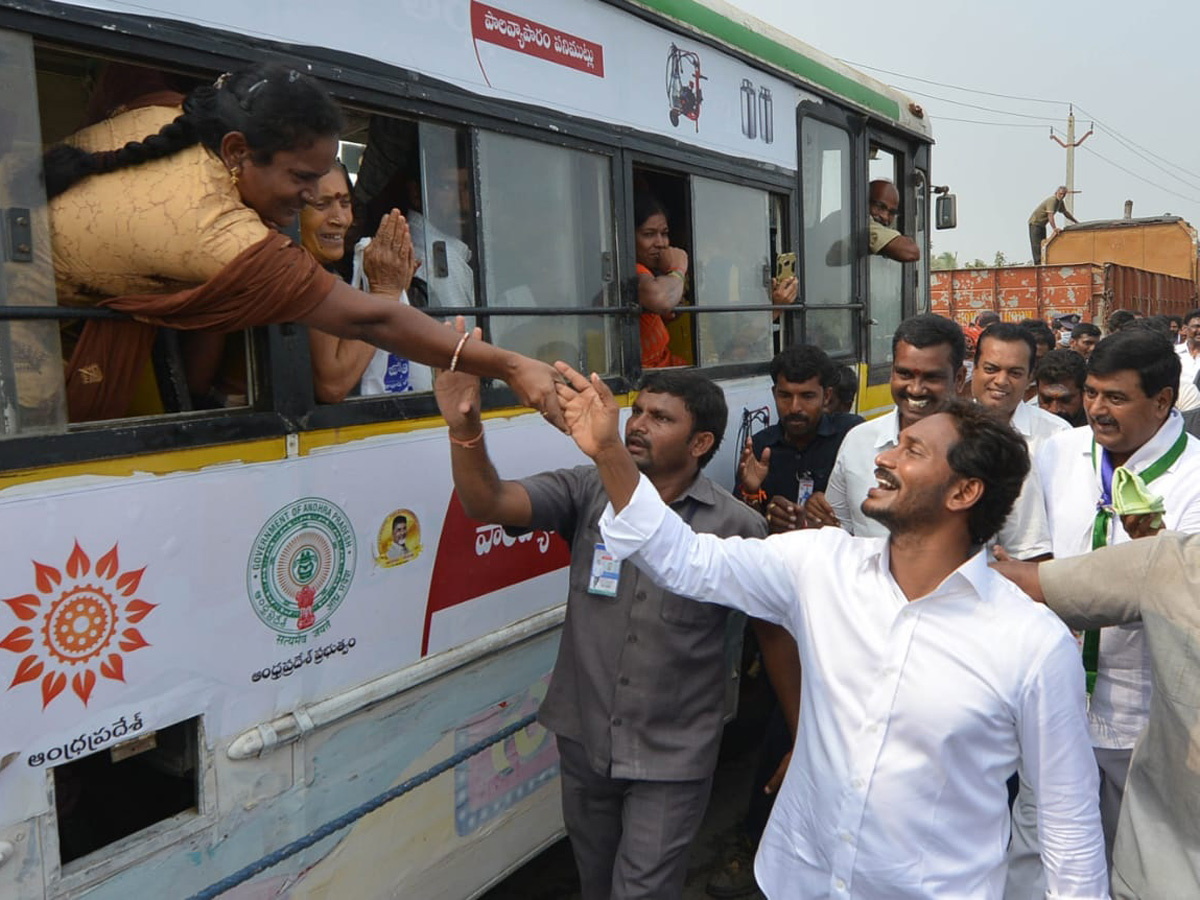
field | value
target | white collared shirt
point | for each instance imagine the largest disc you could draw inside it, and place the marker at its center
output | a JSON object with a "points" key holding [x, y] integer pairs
{"points": [[1120, 703], [913, 714], [1036, 425], [1024, 534], [854, 473], [1190, 364]]}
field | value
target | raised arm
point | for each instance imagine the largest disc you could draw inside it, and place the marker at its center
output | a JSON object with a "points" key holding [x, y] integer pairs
{"points": [[410, 333], [390, 263], [749, 575], [481, 491]]}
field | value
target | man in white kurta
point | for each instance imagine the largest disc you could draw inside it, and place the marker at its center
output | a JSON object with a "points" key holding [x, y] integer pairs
{"points": [[920, 692], [1128, 396]]}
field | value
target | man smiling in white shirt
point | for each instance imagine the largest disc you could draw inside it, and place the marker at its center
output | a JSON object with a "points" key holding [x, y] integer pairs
{"points": [[927, 372], [1005, 355], [926, 675]]}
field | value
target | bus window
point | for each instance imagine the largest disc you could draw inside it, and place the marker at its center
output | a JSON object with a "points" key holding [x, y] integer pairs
{"points": [[31, 374], [546, 219], [141, 254], [885, 276], [732, 245], [670, 192], [422, 169], [786, 327], [829, 226]]}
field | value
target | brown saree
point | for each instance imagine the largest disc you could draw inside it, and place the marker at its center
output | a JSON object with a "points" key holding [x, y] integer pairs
{"points": [[274, 281]]}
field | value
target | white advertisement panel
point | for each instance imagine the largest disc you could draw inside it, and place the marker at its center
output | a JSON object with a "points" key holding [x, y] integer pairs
{"points": [[245, 591], [581, 58]]}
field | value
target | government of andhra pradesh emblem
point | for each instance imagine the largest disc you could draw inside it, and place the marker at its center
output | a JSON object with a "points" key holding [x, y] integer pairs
{"points": [[300, 568], [80, 624]]}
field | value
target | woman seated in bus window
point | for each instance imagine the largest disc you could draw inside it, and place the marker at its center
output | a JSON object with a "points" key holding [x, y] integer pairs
{"points": [[387, 261], [662, 277], [173, 215]]}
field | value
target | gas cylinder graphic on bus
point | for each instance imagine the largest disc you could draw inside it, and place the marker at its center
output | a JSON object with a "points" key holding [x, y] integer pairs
{"points": [[749, 109], [766, 117]]}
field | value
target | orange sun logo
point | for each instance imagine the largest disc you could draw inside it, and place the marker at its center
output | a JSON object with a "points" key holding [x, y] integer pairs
{"points": [[81, 619]]}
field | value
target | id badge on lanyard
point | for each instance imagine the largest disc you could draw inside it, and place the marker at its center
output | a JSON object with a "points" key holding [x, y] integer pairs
{"points": [[606, 573], [805, 489]]}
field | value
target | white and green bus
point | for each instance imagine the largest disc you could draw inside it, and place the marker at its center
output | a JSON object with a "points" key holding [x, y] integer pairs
{"points": [[209, 647]]}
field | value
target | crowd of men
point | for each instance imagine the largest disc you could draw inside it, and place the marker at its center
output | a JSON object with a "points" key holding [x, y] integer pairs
{"points": [[933, 688]]}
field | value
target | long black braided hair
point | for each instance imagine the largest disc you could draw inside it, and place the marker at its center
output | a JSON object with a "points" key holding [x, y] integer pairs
{"points": [[275, 108]]}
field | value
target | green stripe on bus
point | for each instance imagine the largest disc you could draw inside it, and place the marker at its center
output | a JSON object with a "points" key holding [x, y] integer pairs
{"points": [[737, 35]]}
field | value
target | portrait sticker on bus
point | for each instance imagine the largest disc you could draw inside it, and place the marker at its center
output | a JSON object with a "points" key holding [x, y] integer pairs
{"points": [[399, 539], [300, 568], [80, 622]]}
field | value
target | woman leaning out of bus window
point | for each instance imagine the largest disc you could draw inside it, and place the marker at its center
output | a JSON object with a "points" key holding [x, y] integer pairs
{"points": [[388, 261], [173, 215], [662, 276]]}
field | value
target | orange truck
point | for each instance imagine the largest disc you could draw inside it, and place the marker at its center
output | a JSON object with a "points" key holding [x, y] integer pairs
{"points": [[1165, 244], [1091, 290]]}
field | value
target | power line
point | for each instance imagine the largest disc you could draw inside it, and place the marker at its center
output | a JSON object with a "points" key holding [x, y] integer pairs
{"points": [[938, 118], [1120, 137], [955, 86], [990, 109], [1139, 177], [1127, 143]]}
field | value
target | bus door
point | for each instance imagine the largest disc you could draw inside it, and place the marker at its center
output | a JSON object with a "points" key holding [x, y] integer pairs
{"points": [[833, 216]]}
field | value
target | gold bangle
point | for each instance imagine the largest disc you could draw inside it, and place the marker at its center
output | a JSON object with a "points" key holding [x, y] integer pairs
{"points": [[467, 444], [457, 350], [678, 274]]}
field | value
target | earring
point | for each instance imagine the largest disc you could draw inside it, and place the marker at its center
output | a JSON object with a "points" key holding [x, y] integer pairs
{"points": [[234, 173]]}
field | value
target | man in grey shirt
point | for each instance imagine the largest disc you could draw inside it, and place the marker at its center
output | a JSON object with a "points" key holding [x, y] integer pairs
{"points": [[1155, 581], [637, 697]]}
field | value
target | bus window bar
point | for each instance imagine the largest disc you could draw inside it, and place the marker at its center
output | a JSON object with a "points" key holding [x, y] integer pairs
{"points": [[25, 313]]}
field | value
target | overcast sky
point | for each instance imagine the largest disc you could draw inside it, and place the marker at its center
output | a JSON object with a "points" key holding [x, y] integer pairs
{"points": [[1132, 67]]}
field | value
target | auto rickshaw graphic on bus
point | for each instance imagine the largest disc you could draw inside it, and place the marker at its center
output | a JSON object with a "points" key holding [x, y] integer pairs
{"points": [[685, 98]]}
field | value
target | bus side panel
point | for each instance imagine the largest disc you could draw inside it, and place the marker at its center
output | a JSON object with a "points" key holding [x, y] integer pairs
{"points": [[225, 604]]}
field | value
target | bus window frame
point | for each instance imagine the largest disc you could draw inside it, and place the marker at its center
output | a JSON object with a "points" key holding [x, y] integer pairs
{"points": [[686, 163], [902, 151], [284, 404], [853, 124]]}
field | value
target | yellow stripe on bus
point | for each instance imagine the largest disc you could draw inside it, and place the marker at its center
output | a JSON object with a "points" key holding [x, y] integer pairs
{"points": [[257, 451]]}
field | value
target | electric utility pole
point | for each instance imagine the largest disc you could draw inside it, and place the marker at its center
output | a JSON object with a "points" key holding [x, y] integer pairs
{"points": [[1069, 145]]}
